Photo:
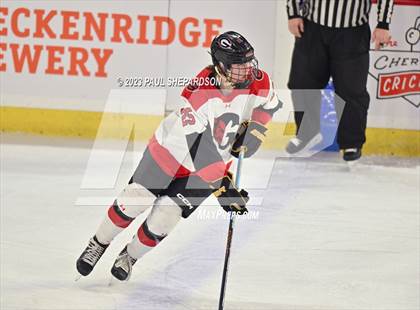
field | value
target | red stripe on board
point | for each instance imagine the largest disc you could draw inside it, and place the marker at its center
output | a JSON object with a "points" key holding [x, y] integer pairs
{"points": [[403, 2]]}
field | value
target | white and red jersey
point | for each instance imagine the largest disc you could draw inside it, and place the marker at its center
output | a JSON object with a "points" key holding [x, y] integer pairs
{"points": [[197, 137]]}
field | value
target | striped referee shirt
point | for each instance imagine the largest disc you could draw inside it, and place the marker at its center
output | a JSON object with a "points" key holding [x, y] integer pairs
{"points": [[340, 13]]}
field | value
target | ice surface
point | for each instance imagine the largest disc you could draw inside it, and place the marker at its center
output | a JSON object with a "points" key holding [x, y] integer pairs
{"points": [[325, 238]]}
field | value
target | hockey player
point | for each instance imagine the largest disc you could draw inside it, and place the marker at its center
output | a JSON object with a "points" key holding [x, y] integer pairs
{"points": [[188, 157]]}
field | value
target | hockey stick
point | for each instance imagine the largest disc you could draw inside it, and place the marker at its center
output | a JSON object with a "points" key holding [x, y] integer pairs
{"points": [[229, 237]]}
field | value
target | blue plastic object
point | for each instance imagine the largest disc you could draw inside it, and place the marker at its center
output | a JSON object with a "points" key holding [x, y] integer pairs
{"points": [[328, 116]]}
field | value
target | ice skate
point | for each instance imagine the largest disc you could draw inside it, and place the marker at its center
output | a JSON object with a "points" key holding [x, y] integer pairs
{"points": [[90, 256], [123, 266], [298, 146], [352, 154]]}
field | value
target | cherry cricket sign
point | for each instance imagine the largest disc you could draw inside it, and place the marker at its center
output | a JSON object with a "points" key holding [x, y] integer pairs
{"points": [[395, 69], [399, 84]]}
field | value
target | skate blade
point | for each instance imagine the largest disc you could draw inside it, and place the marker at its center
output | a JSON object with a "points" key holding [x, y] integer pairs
{"points": [[111, 281], [352, 165], [114, 282], [77, 277]]}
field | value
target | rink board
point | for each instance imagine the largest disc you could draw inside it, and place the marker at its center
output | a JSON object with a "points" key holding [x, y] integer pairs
{"points": [[91, 124]]}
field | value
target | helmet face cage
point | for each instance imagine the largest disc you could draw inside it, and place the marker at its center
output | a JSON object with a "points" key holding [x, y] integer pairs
{"points": [[233, 58], [241, 75]]}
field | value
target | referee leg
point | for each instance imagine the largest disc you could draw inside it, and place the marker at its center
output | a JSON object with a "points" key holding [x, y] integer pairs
{"points": [[309, 73], [349, 68]]}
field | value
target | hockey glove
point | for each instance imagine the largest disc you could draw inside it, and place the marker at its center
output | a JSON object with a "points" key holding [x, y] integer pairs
{"points": [[229, 197], [250, 135]]}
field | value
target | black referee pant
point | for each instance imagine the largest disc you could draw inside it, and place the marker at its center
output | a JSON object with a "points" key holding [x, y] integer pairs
{"points": [[343, 54]]}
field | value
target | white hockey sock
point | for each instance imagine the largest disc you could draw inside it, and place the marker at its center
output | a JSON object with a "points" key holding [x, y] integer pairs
{"points": [[143, 241], [163, 218], [131, 202], [107, 231]]}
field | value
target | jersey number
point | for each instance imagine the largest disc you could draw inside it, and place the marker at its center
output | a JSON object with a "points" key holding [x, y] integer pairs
{"points": [[187, 117]]}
